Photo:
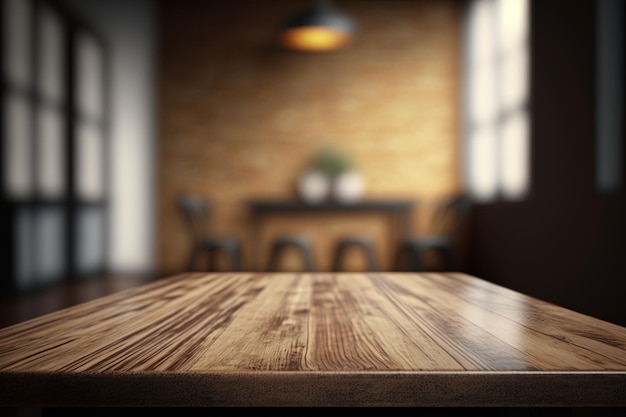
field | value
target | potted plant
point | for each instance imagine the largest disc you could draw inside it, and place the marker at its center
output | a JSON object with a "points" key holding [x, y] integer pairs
{"points": [[331, 175]]}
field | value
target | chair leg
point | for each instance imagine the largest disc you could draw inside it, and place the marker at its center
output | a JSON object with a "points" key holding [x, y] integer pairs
{"points": [[450, 258], [338, 257], [368, 251], [233, 255], [400, 255], [274, 254], [277, 250], [210, 260], [308, 258], [415, 259], [191, 264], [371, 257]]}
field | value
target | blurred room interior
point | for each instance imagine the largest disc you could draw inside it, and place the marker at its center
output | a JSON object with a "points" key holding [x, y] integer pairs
{"points": [[112, 109]]}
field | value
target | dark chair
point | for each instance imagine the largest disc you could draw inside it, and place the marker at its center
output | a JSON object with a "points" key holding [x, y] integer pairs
{"points": [[196, 212], [443, 238], [301, 243], [365, 243]]}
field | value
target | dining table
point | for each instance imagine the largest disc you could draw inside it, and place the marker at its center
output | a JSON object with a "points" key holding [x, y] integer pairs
{"points": [[397, 213], [388, 339]]}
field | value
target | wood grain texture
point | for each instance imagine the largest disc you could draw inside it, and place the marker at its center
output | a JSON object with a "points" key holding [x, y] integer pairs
{"points": [[314, 339]]}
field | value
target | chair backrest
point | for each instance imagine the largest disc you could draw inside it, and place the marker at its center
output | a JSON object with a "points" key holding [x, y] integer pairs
{"points": [[196, 211], [449, 216]]}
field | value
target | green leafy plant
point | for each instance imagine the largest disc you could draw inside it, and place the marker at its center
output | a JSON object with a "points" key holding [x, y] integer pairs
{"points": [[332, 162]]}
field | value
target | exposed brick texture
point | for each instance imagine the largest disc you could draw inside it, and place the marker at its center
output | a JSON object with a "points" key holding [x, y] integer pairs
{"points": [[240, 118]]}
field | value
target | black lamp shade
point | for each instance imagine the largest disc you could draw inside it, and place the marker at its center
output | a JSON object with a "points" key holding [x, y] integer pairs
{"points": [[320, 28]]}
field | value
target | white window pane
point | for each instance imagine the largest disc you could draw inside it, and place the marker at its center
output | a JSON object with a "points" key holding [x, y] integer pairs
{"points": [[482, 164], [482, 76], [17, 146], [90, 76], [514, 84], [482, 92], [89, 162], [512, 16], [17, 41], [481, 30], [52, 54], [51, 155], [90, 239], [515, 156], [50, 245]]}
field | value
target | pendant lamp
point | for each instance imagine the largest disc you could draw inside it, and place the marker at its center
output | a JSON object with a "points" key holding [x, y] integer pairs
{"points": [[320, 28]]}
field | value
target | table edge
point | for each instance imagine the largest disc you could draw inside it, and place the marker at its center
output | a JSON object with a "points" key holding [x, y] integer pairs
{"points": [[290, 388]]}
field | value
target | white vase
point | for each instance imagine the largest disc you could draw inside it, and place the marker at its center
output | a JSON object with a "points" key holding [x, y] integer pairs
{"points": [[314, 187], [348, 187]]}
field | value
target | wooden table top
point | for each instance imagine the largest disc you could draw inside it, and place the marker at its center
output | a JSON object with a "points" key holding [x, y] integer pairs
{"points": [[349, 339]]}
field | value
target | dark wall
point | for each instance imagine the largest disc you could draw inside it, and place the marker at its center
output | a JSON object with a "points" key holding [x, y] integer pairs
{"points": [[565, 243]]}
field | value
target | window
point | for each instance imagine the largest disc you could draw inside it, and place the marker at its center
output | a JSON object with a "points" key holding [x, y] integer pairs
{"points": [[496, 134], [610, 96], [53, 145]]}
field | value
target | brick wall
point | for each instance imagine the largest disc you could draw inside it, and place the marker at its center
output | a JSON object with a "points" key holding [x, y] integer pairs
{"points": [[240, 118]]}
